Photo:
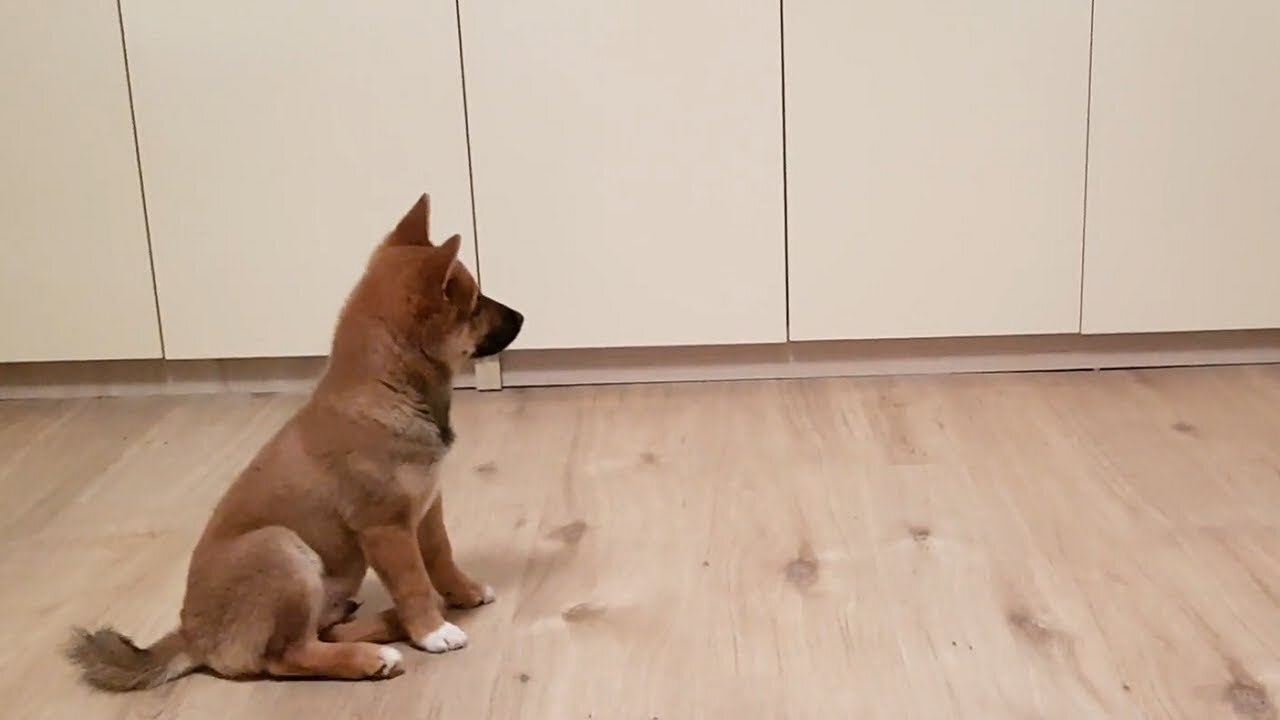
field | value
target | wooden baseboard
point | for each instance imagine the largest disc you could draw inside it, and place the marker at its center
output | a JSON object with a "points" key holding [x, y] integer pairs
{"points": [[527, 368], [888, 357], [112, 378]]}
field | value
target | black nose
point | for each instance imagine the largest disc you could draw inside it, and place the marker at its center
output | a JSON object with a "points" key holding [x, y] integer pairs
{"points": [[501, 336]]}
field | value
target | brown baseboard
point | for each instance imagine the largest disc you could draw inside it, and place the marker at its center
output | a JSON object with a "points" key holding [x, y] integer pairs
{"points": [[888, 357], [526, 368], [111, 378]]}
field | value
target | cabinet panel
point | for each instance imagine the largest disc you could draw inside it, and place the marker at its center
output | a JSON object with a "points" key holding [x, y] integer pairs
{"points": [[1183, 228], [935, 166], [627, 163], [75, 278], [280, 141]]}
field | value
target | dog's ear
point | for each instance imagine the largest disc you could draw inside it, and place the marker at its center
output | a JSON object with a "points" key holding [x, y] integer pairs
{"points": [[447, 255], [414, 227]]}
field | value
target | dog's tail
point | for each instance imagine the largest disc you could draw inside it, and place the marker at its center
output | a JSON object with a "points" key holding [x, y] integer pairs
{"points": [[110, 661]]}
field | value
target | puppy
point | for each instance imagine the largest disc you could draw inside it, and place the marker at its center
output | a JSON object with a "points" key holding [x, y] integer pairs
{"points": [[349, 482]]}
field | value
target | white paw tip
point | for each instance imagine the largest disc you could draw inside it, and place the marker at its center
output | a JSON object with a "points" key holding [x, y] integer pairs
{"points": [[443, 639], [391, 659], [487, 593]]}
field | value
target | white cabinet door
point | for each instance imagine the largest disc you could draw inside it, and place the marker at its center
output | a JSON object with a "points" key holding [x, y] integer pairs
{"points": [[935, 166], [75, 276], [1183, 229], [280, 141], [627, 164]]}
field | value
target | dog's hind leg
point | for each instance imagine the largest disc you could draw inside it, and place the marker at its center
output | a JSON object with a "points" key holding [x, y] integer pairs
{"points": [[270, 623], [384, 627], [338, 612], [341, 661], [302, 602]]}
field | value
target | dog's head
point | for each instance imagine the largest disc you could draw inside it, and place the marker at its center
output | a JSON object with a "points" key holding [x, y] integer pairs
{"points": [[425, 299]]}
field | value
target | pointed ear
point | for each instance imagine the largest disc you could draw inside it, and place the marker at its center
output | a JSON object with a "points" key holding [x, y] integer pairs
{"points": [[448, 253], [414, 227]]}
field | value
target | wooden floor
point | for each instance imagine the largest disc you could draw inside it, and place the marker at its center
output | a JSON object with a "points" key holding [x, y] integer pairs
{"points": [[1073, 546]]}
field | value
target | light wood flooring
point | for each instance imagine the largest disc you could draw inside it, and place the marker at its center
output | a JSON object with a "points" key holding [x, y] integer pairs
{"points": [[1077, 545]]}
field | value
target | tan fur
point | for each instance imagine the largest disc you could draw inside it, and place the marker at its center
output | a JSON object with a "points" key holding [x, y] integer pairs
{"points": [[350, 482], [110, 660]]}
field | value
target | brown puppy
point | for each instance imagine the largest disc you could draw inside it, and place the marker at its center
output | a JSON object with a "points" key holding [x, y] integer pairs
{"points": [[348, 483]]}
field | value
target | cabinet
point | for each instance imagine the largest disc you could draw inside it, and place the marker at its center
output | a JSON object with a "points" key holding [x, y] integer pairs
{"points": [[279, 142], [75, 278], [974, 168], [1183, 228], [935, 166], [627, 164]]}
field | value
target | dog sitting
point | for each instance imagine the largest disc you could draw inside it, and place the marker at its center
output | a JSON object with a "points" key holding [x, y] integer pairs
{"points": [[349, 482]]}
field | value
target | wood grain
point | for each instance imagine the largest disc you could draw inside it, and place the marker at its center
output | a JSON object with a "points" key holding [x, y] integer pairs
{"points": [[1070, 545]]}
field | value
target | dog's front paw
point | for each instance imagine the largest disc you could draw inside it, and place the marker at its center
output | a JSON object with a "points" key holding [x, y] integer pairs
{"points": [[443, 639]]}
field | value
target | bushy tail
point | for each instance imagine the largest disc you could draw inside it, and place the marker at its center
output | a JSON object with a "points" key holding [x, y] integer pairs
{"points": [[110, 661]]}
